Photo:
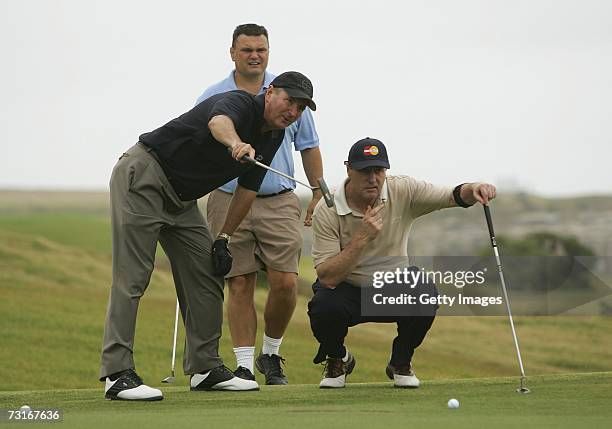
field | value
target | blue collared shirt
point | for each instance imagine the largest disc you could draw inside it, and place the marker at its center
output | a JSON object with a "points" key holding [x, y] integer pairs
{"points": [[301, 133]]}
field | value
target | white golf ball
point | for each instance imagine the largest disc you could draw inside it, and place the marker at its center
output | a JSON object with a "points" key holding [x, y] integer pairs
{"points": [[453, 403], [25, 409]]}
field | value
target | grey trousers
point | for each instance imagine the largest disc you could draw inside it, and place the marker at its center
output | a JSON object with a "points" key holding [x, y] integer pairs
{"points": [[144, 210]]}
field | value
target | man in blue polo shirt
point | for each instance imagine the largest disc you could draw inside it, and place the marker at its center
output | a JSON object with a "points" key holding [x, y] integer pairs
{"points": [[270, 236]]}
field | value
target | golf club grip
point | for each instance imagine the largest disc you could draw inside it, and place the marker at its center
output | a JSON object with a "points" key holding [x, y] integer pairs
{"points": [[490, 224]]}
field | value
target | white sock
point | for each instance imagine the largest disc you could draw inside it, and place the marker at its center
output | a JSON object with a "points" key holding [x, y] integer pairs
{"points": [[271, 345], [245, 357], [345, 358]]}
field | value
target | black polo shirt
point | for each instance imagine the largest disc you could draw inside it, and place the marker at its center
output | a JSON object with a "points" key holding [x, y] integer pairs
{"points": [[196, 163]]}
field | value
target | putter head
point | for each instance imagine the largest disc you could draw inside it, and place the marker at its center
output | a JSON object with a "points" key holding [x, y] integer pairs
{"points": [[329, 198], [169, 379]]}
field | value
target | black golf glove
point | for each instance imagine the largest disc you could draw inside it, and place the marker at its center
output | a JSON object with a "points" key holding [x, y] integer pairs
{"points": [[221, 257]]}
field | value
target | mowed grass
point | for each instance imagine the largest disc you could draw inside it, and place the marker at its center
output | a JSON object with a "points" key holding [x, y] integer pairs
{"points": [[55, 273], [556, 401]]}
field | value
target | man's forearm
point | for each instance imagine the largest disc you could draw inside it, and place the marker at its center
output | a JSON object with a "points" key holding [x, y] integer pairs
{"points": [[223, 130], [337, 269], [313, 167], [239, 207], [313, 164]]}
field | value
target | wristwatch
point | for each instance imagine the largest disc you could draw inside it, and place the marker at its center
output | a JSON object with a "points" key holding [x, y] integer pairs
{"points": [[223, 236]]}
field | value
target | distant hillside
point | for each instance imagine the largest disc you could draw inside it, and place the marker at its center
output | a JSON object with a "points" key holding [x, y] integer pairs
{"points": [[462, 231], [53, 201], [459, 232], [448, 232]]}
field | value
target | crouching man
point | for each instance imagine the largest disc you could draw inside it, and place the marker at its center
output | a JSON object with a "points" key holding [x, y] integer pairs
{"points": [[371, 219]]}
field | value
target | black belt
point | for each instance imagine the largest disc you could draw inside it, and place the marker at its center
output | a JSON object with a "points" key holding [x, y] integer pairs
{"points": [[284, 191]]}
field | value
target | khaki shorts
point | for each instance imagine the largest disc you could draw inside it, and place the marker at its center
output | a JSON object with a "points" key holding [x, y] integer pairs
{"points": [[269, 236]]}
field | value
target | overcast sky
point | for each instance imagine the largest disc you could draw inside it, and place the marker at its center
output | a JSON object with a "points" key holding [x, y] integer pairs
{"points": [[514, 92]]}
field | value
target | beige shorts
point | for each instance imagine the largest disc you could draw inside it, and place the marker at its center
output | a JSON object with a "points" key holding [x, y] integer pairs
{"points": [[269, 236]]}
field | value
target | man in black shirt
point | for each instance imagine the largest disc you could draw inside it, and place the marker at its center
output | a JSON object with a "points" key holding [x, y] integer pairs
{"points": [[153, 191]]}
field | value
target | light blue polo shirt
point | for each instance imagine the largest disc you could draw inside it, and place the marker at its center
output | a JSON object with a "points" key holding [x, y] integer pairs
{"points": [[301, 133]]}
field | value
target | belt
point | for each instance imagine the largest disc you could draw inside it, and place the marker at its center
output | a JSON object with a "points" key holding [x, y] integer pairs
{"points": [[284, 191]]}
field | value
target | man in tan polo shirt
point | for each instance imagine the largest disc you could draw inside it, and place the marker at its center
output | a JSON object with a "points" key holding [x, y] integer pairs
{"points": [[371, 219]]}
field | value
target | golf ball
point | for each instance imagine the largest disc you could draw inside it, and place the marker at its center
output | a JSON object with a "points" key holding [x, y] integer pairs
{"points": [[25, 409], [453, 403]]}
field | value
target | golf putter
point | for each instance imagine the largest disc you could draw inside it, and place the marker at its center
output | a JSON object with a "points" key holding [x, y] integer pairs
{"points": [[522, 388], [171, 378], [327, 196]]}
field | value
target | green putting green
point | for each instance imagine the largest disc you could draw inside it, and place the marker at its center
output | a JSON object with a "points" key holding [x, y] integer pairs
{"points": [[572, 401]]}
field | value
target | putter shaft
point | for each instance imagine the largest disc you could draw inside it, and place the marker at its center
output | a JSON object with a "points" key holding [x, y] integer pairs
{"points": [[280, 173], [171, 378], [327, 196], [522, 388]]}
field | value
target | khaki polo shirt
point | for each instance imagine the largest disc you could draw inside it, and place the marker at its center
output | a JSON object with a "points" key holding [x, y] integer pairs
{"points": [[405, 200]]}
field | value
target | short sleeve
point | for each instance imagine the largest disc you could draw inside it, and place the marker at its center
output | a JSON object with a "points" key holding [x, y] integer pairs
{"points": [[238, 107], [424, 197], [306, 136]]}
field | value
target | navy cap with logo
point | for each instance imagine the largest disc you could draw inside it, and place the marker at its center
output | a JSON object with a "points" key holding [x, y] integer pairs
{"points": [[296, 85], [368, 153]]}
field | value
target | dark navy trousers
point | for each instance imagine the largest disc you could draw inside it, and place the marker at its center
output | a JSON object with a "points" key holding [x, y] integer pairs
{"points": [[333, 311]]}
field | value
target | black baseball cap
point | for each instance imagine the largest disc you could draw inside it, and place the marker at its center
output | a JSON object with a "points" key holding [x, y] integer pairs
{"points": [[296, 85], [368, 153]]}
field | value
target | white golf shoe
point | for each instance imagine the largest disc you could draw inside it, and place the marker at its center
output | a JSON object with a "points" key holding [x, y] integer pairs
{"points": [[335, 372], [221, 378], [403, 377], [128, 386]]}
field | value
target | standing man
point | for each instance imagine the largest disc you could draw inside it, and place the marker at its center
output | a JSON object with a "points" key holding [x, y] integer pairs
{"points": [[270, 236], [372, 216], [154, 188]]}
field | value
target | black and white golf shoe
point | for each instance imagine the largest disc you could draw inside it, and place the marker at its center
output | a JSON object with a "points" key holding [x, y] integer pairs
{"points": [[221, 378], [128, 386]]}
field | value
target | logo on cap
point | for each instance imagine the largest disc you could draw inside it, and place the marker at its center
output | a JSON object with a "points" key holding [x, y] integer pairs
{"points": [[304, 85], [370, 150]]}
